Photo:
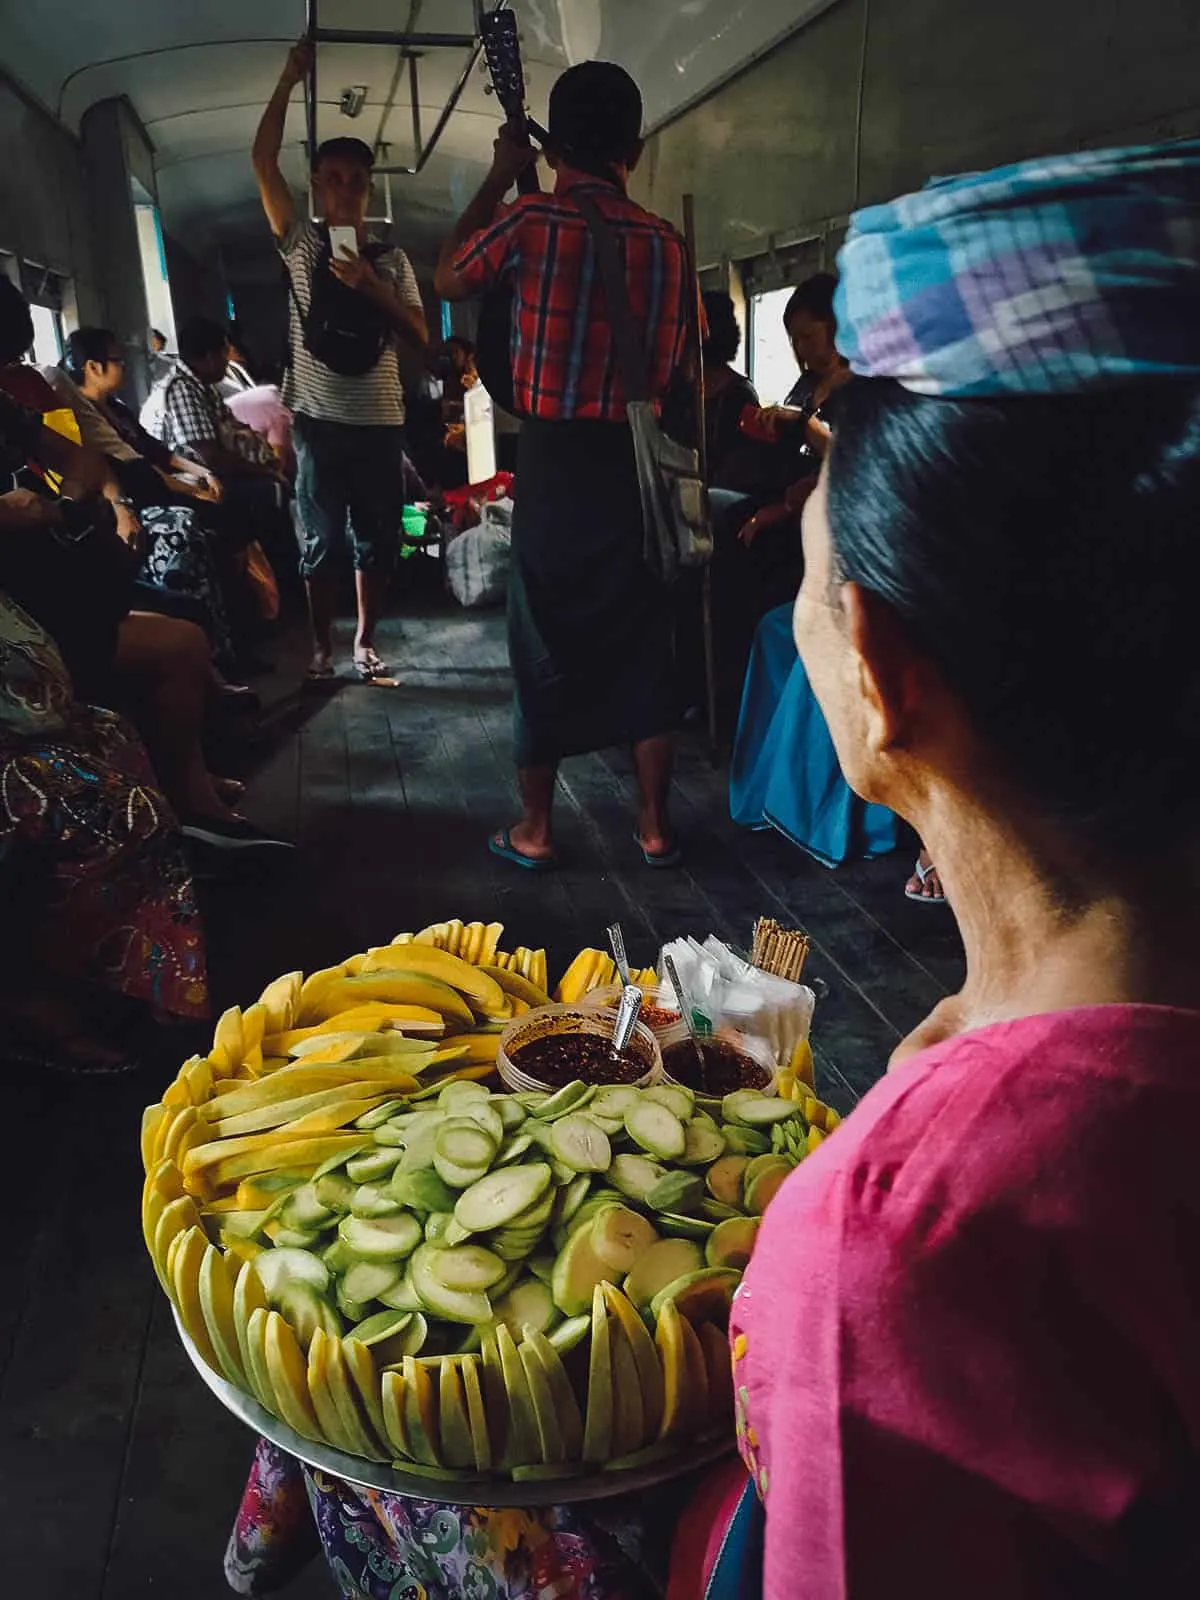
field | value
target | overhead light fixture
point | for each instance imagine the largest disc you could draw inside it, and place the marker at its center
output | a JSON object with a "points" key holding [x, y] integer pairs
{"points": [[353, 100]]}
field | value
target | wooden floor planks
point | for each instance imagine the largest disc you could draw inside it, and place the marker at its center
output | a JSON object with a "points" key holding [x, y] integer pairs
{"points": [[118, 1473]]}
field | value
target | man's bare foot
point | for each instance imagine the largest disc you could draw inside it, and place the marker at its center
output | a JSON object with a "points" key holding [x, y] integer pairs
{"points": [[321, 665]]}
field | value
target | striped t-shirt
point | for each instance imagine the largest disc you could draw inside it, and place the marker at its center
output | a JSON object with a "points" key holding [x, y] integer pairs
{"points": [[311, 389]]}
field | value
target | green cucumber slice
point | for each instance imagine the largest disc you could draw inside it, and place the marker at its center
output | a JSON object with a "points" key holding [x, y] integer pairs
{"points": [[665, 1262], [568, 1335], [368, 1280], [382, 1325], [580, 1144], [724, 1179], [676, 1191], [571, 1097], [280, 1266], [635, 1176], [422, 1190], [513, 1149], [679, 1101], [656, 1129], [453, 1305], [703, 1143], [370, 1120], [577, 1272], [381, 1238], [703, 1296], [455, 1233], [372, 1200], [401, 1296], [615, 1099], [745, 1141], [529, 1304], [571, 1198], [542, 1268], [618, 1237], [753, 1109], [485, 1114], [293, 1238], [334, 1190], [684, 1227], [512, 1114], [303, 1209], [307, 1311], [467, 1266], [436, 1224], [502, 1196], [462, 1152], [459, 1091], [368, 1168], [731, 1243]]}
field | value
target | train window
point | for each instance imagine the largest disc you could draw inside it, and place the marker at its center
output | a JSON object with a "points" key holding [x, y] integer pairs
{"points": [[153, 252], [47, 336], [769, 351]]}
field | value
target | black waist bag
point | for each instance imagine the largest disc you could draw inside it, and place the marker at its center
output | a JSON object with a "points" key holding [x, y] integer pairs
{"points": [[341, 328]]}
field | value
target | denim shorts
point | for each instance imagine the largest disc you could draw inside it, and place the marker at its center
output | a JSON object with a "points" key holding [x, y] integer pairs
{"points": [[349, 483]]}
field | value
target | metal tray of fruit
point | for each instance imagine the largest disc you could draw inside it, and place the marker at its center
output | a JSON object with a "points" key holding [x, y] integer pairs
{"points": [[458, 1490]]}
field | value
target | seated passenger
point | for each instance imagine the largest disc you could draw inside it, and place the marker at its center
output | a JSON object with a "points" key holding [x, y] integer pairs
{"points": [[261, 407], [160, 363], [80, 590], [727, 393], [168, 491], [237, 379], [800, 428], [785, 772], [197, 423], [100, 920]]}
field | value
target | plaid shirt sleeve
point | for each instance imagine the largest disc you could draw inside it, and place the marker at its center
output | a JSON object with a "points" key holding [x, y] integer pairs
{"points": [[189, 416], [482, 260]]}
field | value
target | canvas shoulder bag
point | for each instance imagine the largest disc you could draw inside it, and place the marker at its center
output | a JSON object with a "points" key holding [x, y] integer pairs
{"points": [[675, 509]]}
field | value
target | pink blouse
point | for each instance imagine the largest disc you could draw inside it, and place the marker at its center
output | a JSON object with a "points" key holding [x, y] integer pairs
{"points": [[967, 1349]]}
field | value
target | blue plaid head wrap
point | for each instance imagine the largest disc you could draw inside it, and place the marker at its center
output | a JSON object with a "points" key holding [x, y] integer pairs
{"points": [[1048, 277]]}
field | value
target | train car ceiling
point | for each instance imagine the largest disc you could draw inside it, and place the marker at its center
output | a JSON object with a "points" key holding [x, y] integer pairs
{"points": [[197, 77]]}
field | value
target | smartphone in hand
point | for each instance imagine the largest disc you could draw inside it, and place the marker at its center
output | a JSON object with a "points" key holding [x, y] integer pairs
{"points": [[343, 241]]}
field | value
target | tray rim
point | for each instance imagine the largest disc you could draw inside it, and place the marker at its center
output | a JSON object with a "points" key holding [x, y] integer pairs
{"points": [[492, 1493]]}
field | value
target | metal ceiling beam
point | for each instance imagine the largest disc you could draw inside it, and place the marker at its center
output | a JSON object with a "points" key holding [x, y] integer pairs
{"points": [[390, 36]]}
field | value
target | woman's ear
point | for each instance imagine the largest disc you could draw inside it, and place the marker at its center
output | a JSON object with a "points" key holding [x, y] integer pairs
{"points": [[888, 667]]}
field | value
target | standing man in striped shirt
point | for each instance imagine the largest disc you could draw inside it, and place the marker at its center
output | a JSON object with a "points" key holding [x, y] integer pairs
{"points": [[589, 623], [349, 412]]}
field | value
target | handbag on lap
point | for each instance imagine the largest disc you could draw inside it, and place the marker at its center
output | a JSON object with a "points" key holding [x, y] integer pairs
{"points": [[674, 496]]}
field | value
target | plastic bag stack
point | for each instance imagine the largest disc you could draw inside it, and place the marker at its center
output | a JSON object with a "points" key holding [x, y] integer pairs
{"points": [[733, 994]]}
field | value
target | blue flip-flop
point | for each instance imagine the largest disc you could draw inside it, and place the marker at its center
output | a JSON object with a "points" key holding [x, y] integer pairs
{"points": [[664, 859], [507, 851]]}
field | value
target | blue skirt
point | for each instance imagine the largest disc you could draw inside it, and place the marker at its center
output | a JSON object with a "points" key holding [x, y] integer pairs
{"points": [[785, 771]]}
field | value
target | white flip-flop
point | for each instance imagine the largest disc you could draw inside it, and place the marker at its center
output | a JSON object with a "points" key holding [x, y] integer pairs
{"points": [[921, 873]]}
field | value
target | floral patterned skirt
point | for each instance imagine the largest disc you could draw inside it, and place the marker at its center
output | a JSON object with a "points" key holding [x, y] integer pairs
{"points": [[91, 851], [387, 1547]]}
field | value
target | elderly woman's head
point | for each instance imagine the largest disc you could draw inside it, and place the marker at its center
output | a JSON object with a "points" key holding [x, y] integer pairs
{"points": [[1003, 570]]}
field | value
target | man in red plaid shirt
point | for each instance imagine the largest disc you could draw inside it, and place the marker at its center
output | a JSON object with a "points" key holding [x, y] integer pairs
{"points": [[589, 625]]}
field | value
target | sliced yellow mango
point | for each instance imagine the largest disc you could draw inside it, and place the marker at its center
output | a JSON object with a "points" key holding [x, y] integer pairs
{"points": [[248, 1297], [227, 1035], [518, 987], [177, 1217], [598, 1425], [152, 1119], [365, 1381], [319, 1393], [393, 1414], [636, 1335], [718, 1364], [214, 1175], [629, 1414], [439, 966], [481, 1443], [345, 1398], [335, 1115], [420, 1413], [393, 988], [216, 1305], [185, 1281], [256, 1356], [668, 1337], [288, 1372], [697, 1376], [273, 1114], [279, 1000]]}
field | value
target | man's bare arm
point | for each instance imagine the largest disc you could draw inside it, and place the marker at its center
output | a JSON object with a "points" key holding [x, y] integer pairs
{"points": [[273, 188]]}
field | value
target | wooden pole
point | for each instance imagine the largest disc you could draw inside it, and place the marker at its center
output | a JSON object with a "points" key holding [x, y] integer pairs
{"points": [[706, 603]]}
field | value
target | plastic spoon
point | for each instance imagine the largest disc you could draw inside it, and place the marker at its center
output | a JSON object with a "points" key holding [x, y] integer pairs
{"points": [[627, 1014], [616, 940], [685, 1011]]}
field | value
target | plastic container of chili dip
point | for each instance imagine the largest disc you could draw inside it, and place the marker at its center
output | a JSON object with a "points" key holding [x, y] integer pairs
{"points": [[732, 1061], [556, 1045], [659, 1012]]}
